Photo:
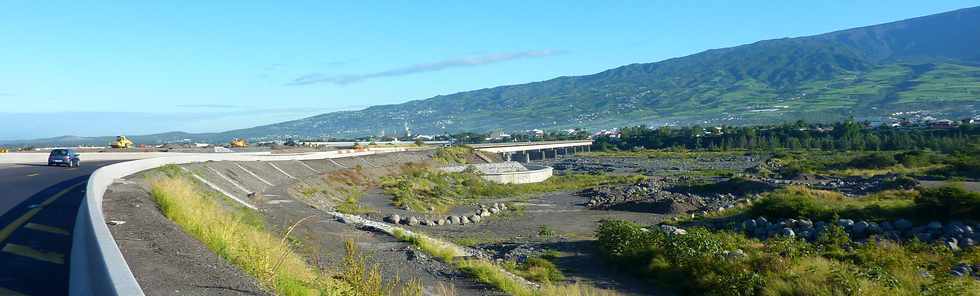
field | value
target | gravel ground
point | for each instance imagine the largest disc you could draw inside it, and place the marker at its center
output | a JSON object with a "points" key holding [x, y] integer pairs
{"points": [[650, 166], [164, 259], [327, 237]]}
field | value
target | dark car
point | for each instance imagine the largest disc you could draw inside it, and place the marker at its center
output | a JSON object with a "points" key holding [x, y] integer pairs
{"points": [[65, 157]]}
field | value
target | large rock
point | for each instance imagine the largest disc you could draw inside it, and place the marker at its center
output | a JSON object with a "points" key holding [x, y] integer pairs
{"points": [[846, 223], [412, 221], [464, 220], [860, 228], [902, 224], [672, 230], [393, 219], [454, 220], [475, 218], [787, 232], [494, 210]]}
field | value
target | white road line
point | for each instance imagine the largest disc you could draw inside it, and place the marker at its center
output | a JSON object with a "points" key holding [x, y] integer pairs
{"points": [[239, 186], [308, 166], [254, 175], [280, 170], [366, 162], [336, 163], [218, 189]]}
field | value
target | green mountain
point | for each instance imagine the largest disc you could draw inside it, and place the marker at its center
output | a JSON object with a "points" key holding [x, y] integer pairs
{"points": [[929, 63]]}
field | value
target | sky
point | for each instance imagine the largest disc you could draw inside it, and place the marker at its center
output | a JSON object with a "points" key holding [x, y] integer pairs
{"points": [[92, 68]]}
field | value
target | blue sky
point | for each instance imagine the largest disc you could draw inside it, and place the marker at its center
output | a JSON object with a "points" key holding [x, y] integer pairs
{"points": [[111, 67]]}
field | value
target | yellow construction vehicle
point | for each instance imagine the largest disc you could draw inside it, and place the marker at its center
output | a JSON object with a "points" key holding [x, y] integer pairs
{"points": [[122, 142], [238, 143]]}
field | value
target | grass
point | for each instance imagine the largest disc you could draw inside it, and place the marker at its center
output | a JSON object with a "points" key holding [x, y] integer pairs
{"points": [[925, 204], [236, 235], [491, 274], [426, 190], [693, 264], [538, 269], [351, 204], [453, 155]]}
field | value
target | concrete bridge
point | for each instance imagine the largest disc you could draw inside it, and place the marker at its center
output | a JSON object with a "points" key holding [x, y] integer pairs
{"points": [[528, 151]]}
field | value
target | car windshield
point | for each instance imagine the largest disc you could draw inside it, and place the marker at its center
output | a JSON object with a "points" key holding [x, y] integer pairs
{"points": [[59, 152]]}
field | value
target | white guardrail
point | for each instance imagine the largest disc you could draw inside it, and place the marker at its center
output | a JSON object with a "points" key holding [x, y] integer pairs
{"points": [[97, 266]]}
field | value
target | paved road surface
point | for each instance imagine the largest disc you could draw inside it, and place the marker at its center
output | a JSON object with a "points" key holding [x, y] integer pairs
{"points": [[37, 214]]}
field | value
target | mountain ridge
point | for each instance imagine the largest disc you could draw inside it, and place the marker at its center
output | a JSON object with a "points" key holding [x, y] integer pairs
{"points": [[925, 63]]}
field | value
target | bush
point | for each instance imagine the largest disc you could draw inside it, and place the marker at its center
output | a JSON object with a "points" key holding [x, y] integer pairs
{"points": [[949, 202], [453, 155], [916, 158], [537, 269], [625, 240], [872, 161], [785, 204]]}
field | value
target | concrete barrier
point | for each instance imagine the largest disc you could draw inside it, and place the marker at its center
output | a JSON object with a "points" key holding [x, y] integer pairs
{"points": [[533, 174], [97, 266]]}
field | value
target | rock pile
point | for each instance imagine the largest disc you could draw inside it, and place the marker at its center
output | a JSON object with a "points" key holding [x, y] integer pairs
{"points": [[954, 235], [482, 212]]}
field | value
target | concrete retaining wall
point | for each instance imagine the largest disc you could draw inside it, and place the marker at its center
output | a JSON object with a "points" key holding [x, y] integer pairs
{"points": [[97, 266], [533, 174]]}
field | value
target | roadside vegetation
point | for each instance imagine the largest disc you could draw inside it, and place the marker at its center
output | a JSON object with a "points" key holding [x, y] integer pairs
{"points": [[424, 189], [238, 235], [453, 155]]}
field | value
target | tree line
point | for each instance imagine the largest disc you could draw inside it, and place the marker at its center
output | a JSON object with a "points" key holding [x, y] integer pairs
{"points": [[847, 135]]}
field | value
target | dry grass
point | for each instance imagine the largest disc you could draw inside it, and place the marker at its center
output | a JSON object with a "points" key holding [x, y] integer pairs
{"points": [[236, 234], [492, 274]]}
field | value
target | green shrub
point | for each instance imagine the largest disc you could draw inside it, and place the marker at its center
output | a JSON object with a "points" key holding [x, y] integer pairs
{"points": [[872, 161], [949, 202], [453, 155], [537, 269], [786, 204], [619, 239]]}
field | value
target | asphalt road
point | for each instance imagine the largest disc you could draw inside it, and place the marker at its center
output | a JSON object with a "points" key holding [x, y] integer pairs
{"points": [[37, 214]]}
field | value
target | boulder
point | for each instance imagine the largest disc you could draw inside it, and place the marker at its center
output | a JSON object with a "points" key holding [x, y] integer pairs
{"points": [[846, 223], [787, 232], [454, 220], [967, 243], [412, 221], [952, 244], [860, 228], [393, 219], [672, 230], [441, 222], [464, 220], [475, 218], [902, 224], [494, 210]]}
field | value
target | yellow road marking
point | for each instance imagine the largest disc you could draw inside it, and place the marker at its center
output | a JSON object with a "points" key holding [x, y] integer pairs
{"points": [[7, 292], [46, 228], [32, 175], [9, 229], [53, 257]]}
